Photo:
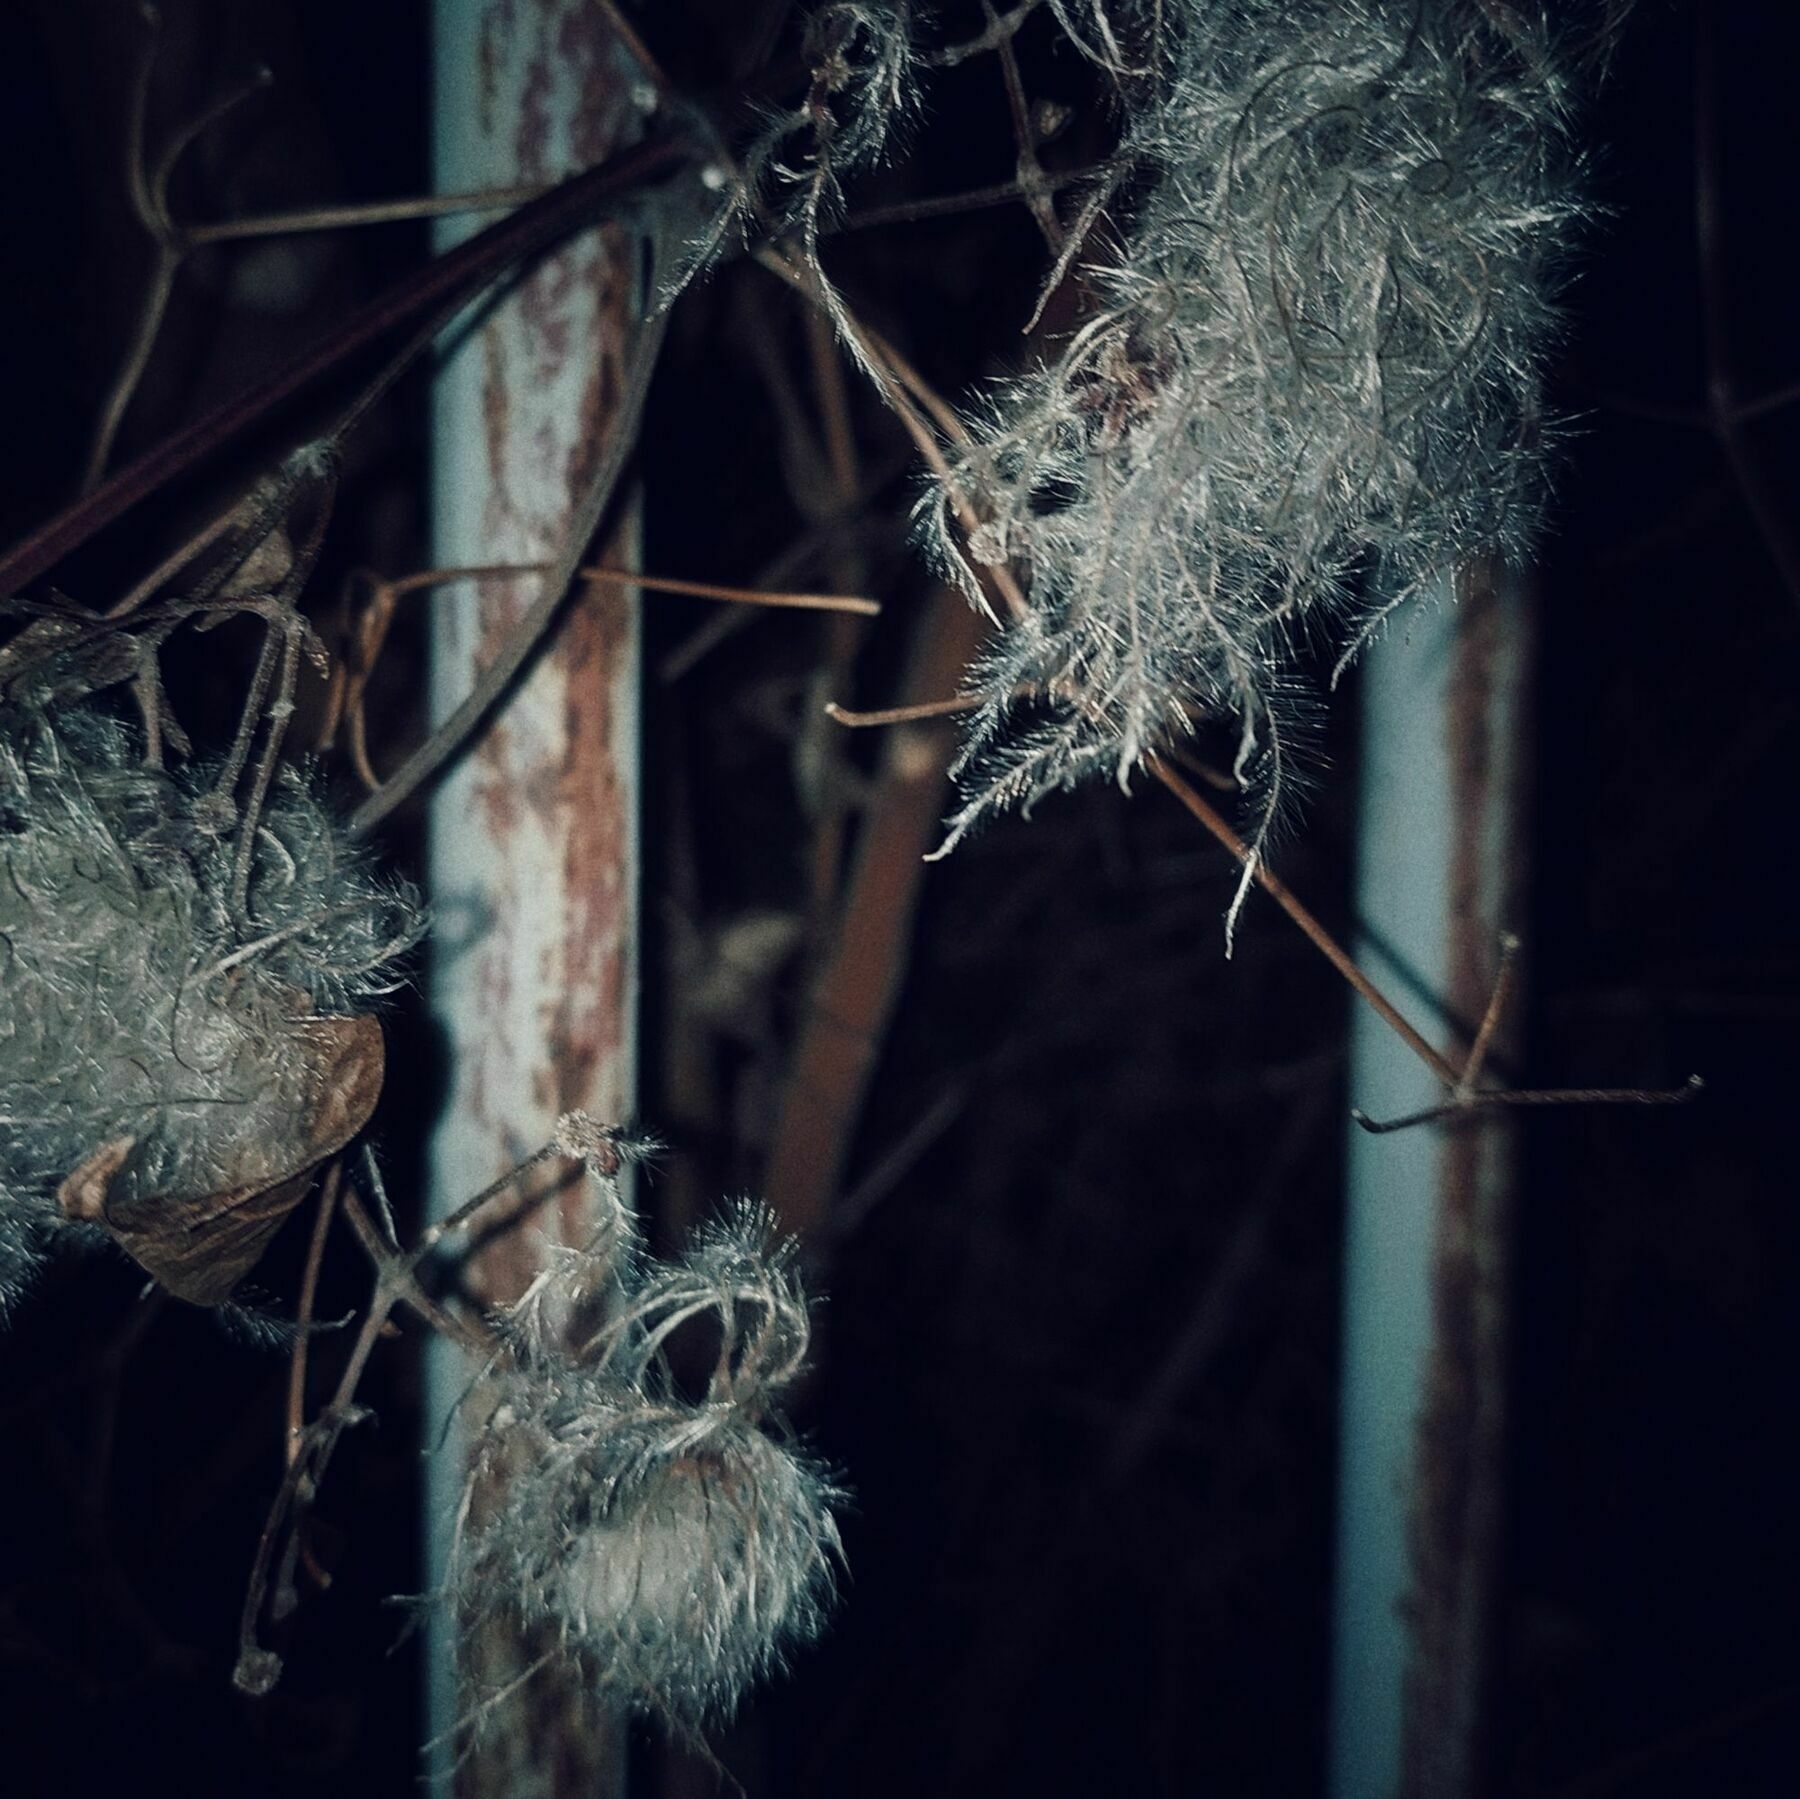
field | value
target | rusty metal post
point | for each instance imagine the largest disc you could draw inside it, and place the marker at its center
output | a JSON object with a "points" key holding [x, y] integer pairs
{"points": [[1441, 859], [534, 854]]}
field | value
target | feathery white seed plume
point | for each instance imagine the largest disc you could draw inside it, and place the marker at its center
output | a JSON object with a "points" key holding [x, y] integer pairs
{"points": [[1316, 356], [134, 1002], [676, 1547]]}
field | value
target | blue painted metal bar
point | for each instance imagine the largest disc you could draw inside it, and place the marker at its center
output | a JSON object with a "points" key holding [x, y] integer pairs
{"points": [[1439, 881], [534, 836]]}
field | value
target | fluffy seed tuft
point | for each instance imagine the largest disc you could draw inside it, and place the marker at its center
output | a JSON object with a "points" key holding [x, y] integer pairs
{"points": [[1316, 355], [150, 1032], [677, 1546]]}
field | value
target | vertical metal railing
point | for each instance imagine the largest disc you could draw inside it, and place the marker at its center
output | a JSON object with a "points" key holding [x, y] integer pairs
{"points": [[1441, 863], [534, 851]]}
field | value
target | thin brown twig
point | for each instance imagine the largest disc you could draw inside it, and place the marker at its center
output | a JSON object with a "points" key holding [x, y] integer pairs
{"points": [[902, 715], [433, 292], [368, 630], [268, 495], [401, 1271], [907, 394], [1490, 1019], [258, 1668], [466, 1214], [803, 552], [233, 765], [303, 1325], [303, 219], [625, 577], [124, 384], [638, 49], [1468, 1100], [292, 631], [893, 390], [186, 136], [149, 191], [396, 1282], [1002, 28], [151, 313], [973, 199], [1321, 939], [309, 1292], [1215, 778], [1467, 1103], [1030, 171], [969, 702]]}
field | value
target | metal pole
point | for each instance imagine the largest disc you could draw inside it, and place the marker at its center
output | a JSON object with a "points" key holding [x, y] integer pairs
{"points": [[1440, 876], [534, 837]]}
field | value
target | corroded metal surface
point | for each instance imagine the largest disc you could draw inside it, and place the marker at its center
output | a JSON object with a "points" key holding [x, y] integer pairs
{"points": [[534, 846], [1459, 1451], [1441, 865]]}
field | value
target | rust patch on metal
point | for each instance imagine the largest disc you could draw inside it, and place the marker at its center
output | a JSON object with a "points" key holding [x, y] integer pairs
{"points": [[490, 52], [496, 425], [555, 963], [590, 1024], [604, 383], [575, 796], [543, 304], [608, 116], [531, 143], [1457, 1493]]}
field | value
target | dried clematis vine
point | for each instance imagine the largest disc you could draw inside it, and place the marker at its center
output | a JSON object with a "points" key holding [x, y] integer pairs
{"points": [[1315, 352], [185, 1032], [860, 95], [677, 1546]]}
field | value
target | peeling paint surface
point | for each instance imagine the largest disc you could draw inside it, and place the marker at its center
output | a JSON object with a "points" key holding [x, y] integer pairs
{"points": [[534, 835], [1420, 1420], [1456, 1501]]}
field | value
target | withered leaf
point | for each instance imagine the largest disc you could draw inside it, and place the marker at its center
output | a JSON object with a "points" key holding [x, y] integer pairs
{"points": [[200, 1245]]}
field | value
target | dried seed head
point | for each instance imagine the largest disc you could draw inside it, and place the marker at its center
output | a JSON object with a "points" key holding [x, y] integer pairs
{"points": [[1317, 353], [676, 1547], [143, 1013], [790, 178]]}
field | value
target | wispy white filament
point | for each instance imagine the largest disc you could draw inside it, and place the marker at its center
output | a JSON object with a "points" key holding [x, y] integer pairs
{"points": [[1315, 355], [675, 1546], [133, 1002]]}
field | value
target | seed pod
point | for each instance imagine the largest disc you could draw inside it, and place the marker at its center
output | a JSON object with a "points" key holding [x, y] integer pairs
{"points": [[676, 1548], [1315, 356], [173, 1066]]}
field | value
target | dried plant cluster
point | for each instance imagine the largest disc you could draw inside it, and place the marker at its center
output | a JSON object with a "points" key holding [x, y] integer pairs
{"points": [[169, 1054], [1318, 285], [1315, 355], [788, 182], [862, 90], [676, 1546]]}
